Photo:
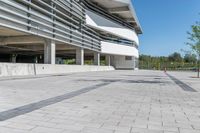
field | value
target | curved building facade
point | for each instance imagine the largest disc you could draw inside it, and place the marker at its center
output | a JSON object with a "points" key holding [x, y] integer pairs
{"points": [[51, 30]]}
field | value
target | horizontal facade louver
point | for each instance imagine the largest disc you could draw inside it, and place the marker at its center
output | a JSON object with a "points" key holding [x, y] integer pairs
{"points": [[59, 20]]}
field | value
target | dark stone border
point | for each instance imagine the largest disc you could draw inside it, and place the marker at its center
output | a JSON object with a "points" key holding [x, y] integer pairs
{"points": [[181, 84], [5, 115]]}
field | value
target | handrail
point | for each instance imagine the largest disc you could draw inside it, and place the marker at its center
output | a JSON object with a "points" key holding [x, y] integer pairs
{"points": [[122, 43]]}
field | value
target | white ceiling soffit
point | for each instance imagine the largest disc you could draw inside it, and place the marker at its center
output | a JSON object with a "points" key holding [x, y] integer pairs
{"points": [[122, 8]]}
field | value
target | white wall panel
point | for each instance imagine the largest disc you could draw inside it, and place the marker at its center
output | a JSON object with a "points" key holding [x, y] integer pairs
{"points": [[119, 62], [116, 49]]}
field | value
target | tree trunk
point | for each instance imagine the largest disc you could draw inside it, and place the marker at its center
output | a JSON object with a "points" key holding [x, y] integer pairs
{"points": [[198, 75]]}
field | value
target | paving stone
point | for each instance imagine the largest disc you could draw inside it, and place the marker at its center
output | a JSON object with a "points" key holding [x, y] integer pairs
{"points": [[189, 131], [11, 130], [128, 102], [96, 130], [24, 126], [46, 130]]}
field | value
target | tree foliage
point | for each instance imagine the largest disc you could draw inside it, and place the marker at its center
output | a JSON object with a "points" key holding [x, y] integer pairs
{"points": [[172, 62], [194, 37], [190, 58], [175, 57]]}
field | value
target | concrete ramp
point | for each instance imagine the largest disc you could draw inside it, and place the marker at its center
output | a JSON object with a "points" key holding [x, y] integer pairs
{"points": [[21, 69]]}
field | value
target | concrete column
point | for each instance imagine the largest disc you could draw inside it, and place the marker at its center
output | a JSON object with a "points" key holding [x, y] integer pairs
{"points": [[80, 56], [36, 60], [14, 58], [113, 60], [108, 60], [133, 59], [97, 58], [50, 52]]}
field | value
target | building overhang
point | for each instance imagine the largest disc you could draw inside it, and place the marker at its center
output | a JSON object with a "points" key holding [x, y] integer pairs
{"points": [[122, 8]]}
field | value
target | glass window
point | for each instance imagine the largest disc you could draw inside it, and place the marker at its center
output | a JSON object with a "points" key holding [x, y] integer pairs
{"points": [[128, 58]]}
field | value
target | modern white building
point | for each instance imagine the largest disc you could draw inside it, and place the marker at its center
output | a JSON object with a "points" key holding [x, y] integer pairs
{"points": [[101, 32]]}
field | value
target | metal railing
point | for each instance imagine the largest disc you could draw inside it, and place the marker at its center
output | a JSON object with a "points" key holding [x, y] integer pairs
{"points": [[120, 41], [92, 7], [102, 12]]}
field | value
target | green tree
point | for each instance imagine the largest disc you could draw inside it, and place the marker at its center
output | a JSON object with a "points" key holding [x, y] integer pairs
{"points": [[190, 58], [194, 37], [175, 57]]}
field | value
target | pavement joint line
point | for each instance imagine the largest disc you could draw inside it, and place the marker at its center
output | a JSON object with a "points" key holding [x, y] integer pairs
{"points": [[181, 84], [32, 77], [8, 114]]}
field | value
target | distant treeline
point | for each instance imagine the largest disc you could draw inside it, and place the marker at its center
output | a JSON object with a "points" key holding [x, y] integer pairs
{"points": [[173, 62]]}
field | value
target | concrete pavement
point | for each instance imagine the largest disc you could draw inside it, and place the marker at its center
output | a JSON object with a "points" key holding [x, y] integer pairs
{"points": [[101, 102]]}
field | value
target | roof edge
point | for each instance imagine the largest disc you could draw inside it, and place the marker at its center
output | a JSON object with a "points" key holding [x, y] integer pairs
{"points": [[133, 12]]}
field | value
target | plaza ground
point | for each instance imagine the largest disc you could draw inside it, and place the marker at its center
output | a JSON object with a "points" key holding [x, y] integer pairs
{"points": [[101, 102]]}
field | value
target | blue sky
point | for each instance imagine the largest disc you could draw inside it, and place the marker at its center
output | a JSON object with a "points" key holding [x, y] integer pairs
{"points": [[165, 23]]}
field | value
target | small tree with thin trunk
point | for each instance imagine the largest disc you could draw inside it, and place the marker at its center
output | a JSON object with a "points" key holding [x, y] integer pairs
{"points": [[194, 37]]}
